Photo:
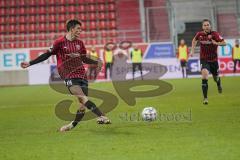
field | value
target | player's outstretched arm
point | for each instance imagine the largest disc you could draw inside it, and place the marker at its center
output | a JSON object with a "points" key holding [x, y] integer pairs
{"points": [[39, 59], [88, 60]]}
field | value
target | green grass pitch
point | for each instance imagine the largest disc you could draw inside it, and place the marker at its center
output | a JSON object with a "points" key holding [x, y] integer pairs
{"points": [[28, 125]]}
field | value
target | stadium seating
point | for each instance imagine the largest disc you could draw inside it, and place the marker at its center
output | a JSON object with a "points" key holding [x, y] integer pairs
{"points": [[34, 20]]}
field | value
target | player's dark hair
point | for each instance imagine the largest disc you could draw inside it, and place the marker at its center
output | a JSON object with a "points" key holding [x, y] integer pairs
{"points": [[206, 20], [72, 23]]}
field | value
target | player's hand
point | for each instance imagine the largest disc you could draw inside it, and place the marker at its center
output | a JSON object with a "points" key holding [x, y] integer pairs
{"points": [[214, 42], [25, 64]]}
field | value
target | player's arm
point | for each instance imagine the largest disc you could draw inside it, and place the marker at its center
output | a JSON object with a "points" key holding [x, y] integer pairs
{"points": [[39, 59], [194, 44], [218, 40], [221, 43]]}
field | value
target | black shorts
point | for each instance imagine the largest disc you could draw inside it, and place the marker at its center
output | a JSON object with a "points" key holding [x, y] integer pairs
{"points": [[183, 63], [137, 65], [77, 81], [212, 67]]}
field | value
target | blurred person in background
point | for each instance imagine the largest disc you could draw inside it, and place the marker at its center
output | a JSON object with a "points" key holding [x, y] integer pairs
{"points": [[182, 55], [136, 57], [236, 55]]}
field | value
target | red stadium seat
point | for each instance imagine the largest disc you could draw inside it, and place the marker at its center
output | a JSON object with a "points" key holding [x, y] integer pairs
{"points": [[111, 7], [41, 2], [102, 25], [31, 2], [72, 9], [112, 15], [101, 7], [102, 16], [82, 35], [81, 8], [104, 34], [112, 24], [82, 16], [2, 28], [51, 10], [71, 2], [92, 16], [92, 8], [52, 18], [31, 28], [61, 27], [21, 19], [2, 20], [3, 3], [11, 3], [42, 27], [93, 34], [32, 37], [3, 11], [12, 20], [21, 11], [51, 2], [62, 18], [93, 25], [41, 10], [52, 27], [22, 28], [10, 11], [91, 1], [31, 19], [42, 18], [61, 9], [32, 44]]}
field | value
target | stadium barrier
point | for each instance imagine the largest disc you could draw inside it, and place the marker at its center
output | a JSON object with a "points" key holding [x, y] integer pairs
{"points": [[156, 53]]}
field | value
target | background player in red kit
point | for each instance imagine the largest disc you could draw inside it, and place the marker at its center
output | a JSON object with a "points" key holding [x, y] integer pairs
{"points": [[209, 42], [71, 54]]}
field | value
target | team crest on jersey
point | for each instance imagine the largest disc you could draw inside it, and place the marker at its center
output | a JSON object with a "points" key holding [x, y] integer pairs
{"points": [[209, 36], [78, 47]]}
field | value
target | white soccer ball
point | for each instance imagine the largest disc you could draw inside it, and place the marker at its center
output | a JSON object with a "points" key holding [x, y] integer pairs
{"points": [[149, 114]]}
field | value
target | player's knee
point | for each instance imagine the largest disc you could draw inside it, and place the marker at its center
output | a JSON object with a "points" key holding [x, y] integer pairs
{"points": [[83, 99], [204, 74], [82, 108]]}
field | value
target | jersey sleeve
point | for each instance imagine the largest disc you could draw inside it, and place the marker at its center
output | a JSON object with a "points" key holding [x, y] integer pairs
{"points": [[218, 37], [197, 36], [54, 48]]}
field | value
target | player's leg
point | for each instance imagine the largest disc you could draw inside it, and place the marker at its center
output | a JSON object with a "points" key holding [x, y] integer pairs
{"points": [[80, 90], [234, 66], [214, 68], [133, 70], [110, 66], [205, 73], [140, 68], [106, 69], [182, 67]]}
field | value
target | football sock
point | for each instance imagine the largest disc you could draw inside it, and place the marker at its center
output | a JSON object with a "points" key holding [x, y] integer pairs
{"points": [[217, 80], [78, 118], [204, 87], [91, 106]]}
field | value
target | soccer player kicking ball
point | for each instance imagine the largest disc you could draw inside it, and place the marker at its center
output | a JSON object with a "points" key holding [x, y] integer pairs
{"points": [[71, 54], [209, 42]]}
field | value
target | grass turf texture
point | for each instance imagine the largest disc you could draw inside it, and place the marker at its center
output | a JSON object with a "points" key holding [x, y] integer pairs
{"points": [[28, 125]]}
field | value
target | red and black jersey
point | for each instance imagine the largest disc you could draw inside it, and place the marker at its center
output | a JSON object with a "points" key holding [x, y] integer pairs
{"points": [[208, 51], [69, 55]]}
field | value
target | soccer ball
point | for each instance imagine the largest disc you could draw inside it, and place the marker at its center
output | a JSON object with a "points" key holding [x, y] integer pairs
{"points": [[149, 114]]}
